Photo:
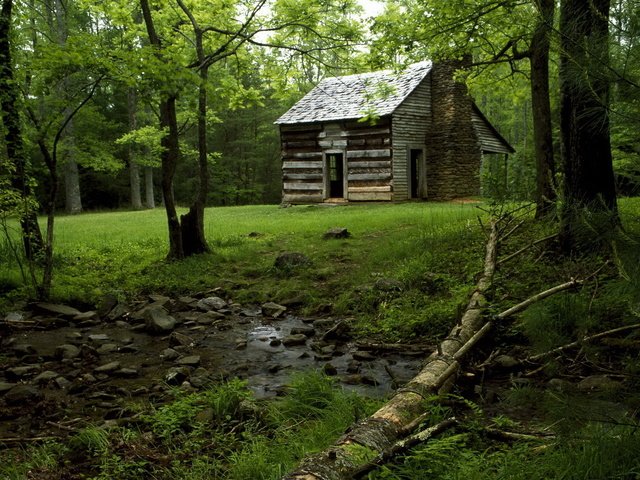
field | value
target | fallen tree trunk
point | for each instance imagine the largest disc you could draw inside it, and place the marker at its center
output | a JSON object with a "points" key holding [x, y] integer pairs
{"points": [[378, 433]]}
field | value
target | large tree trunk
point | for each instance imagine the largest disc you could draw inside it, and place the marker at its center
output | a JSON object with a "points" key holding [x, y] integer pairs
{"points": [[134, 168], [589, 186], [381, 430], [31, 234], [541, 110]]}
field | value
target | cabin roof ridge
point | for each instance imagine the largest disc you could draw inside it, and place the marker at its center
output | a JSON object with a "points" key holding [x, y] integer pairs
{"points": [[355, 96]]}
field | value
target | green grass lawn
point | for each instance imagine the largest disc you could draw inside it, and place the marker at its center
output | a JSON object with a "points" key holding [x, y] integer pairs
{"points": [[122, 253]]}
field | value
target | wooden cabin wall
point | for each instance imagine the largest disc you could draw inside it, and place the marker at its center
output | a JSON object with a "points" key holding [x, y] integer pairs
{"points": [[366, 148], [411, 122]]}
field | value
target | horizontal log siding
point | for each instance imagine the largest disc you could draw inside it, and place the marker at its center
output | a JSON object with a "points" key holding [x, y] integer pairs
{"points": [[301, 164], [368, 160], [411, 121], [489, 142]]}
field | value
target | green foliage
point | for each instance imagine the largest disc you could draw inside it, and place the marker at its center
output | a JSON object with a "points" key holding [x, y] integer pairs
{"points": [[91, 441]]}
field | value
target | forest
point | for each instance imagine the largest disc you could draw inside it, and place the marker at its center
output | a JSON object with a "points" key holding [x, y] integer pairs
{"points": [[164, 315]]}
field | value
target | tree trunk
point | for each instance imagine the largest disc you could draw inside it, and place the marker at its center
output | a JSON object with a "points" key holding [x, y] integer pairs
{"points": [[134, 168], [541, 110], [170, 146], [193, 238], [149, 198], [31, 234], [381, 430], [73, 199], [589, 187]]}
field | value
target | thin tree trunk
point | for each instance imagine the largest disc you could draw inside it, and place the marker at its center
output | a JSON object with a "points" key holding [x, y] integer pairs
{"points": [[73, 199], [134, 168], [169, 142], [193, 238], [31, 234], [541, 110], [149, 197]]}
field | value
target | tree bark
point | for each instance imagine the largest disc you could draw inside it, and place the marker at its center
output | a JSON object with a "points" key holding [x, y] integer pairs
{"points": [[73, 198], [170, 145], [134, 168], [193, 238], [149, 198], [589, 187], [541, 110], [380, 431], [31, 234]]}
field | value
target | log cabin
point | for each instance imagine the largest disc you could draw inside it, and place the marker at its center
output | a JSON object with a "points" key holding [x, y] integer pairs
{"points": [[386, 136]]}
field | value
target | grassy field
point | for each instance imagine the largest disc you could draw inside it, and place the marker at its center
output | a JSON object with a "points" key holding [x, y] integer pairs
{"points": [[122, 253]]}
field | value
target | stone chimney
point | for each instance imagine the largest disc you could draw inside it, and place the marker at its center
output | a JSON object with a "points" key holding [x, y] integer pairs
{"points": [[454, 155]]}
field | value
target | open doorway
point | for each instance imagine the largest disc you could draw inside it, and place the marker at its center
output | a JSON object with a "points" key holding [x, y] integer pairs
{"points": [[417, 177], [335, 175]]}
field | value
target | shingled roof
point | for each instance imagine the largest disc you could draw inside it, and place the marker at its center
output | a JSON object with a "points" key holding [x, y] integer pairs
{"points": [[355, 96]]}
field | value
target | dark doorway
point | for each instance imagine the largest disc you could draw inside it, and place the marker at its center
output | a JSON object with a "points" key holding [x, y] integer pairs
{"points": [[416, 166], [335, 170]]}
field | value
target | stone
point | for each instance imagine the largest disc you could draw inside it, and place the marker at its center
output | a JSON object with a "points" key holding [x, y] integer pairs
{"points": [[505, 361], [191, 361], [117, 312], [176, 375], [336, 233], [74, 335], [126, 372], [177, 338], [15, 317], [211, 303], [388, 285], [340, 331], [275, 342], [23, 394], [560, 385], [169, 354], [599, 383], [63, 383], [63, 310], [205, 416], [329, 369], [363, 356], [46, 376], [241, 345], [90, 315], [291, 260], [306, 331], [353, 366], [107, 367], [6, 386], [23, 349], [107, 348], [98, 337], [23, 371], [158, 321], [273, 310], [293, 340], [159, 299]]}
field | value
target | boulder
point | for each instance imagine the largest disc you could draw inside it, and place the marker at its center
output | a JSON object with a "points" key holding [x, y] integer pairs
{"points": [[169, 354], [211, 303], [291, 260], [21, 394], [5, 386], [107, 367], [293, 340], [46, 376], [190, 361], [599, 383], [63, 310], [176, 375], [336, 233], [180, 339], [273, 310], [307, 331], [158, 321]]}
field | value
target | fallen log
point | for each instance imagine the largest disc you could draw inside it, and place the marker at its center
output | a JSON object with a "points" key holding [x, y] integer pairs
{"points": [[378, 433]]}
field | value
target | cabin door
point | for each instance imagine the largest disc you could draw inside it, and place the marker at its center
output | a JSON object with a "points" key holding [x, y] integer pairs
{"points": [[335, 175], [417, 173]]}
